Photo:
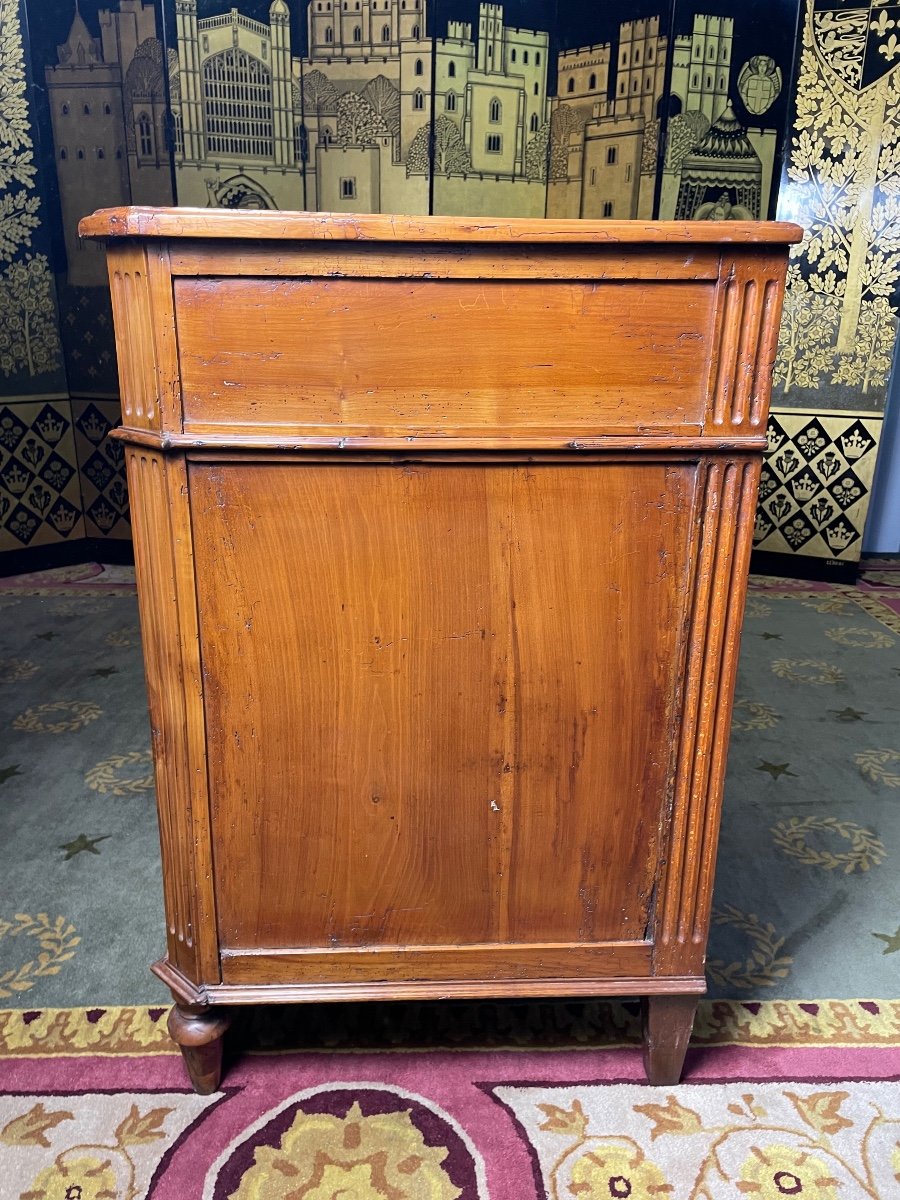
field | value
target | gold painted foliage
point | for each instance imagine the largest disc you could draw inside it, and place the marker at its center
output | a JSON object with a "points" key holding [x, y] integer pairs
{"points": [[28, 333], [845, 148], [16, 159]]}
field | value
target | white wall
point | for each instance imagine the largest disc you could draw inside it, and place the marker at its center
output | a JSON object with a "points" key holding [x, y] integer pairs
{"points": [[882, 534]]}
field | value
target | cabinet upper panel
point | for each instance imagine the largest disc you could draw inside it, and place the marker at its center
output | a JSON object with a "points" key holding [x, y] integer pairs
{"points": [[396, 357], [445, 332]]}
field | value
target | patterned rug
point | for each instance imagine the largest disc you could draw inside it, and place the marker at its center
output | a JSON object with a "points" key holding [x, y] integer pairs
{"points": [[818, 1122], [782, 1096], [807, 900]]}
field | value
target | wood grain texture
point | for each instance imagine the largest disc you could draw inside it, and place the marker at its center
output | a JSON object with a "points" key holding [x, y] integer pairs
{"points": [[147, 222], [442, 530], [750, 293], [447, 727], [449, 260], [440, 964], [335, 991], [144, 323], [169, 636], [721, 562], [394, 357]]}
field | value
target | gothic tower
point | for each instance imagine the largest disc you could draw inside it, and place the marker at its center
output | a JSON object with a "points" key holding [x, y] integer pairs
{"points": [[189, 63], [282, 106]]}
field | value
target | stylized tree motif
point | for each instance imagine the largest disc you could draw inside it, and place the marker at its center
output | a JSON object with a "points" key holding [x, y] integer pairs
{"points": [[385, 100], [685, 131], [319, 93], [358, 124], [18, 216], [650, 147], [28, 335], [870, 363], [536, 153], [450, 154], [564, 121], [806, 341], [16, 152], [418, 157], [845, 189]]}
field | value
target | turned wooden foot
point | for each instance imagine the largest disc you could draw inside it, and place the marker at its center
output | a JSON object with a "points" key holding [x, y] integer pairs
{"points": [[668, 1021], [198, 1032]]}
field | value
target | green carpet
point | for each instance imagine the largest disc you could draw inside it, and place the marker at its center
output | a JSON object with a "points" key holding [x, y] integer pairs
{"points": [[807, 900]]}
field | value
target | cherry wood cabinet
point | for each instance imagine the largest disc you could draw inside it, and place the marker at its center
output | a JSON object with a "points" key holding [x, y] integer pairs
{"points": [[442, 531]]}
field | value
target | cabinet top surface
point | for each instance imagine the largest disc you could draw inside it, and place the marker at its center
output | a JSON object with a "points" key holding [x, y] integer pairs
{"points": [[224, 223]]}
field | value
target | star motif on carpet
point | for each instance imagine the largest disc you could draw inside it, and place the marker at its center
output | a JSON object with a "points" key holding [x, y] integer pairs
{"points": [[776, 770], [8, 772], [891, 941], [46, 637], [770, 637], [81, 843], [105, 672], [848, 714]]}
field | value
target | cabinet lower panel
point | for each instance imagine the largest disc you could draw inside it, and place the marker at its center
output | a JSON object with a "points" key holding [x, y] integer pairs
{"points": [[447, 716], [437, 963]]}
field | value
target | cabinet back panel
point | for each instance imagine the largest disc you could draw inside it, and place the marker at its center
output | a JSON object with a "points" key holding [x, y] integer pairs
{"points": [[439, 697], [401, 356]]}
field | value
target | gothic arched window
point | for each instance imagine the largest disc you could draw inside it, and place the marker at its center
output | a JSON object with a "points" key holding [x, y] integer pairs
{"points": [[145, 135], [512, 55], [534, 122], [237, 97], [570, 86], [451, 102], [495, 112], [451, 70], [418, 98], [357, 33], [385, 33], [592, 83], [524, 56], [329, 34], [415, 31], [419, 68]]}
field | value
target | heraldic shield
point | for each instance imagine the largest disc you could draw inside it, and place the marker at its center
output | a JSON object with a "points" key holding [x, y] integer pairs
{"points": [[859, 43]]}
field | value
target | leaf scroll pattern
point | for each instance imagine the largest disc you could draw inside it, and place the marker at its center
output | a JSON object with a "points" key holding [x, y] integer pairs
{"points": [[841, 137]]}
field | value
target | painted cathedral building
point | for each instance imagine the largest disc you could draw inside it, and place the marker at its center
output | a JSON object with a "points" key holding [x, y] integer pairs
{"points": [[604, 152], [350, 127], [107, 102], [347, 128]]}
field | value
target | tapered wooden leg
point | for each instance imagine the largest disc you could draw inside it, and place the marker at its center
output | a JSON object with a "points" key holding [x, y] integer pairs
{"points": [[668, 1021], [198, 1032]]}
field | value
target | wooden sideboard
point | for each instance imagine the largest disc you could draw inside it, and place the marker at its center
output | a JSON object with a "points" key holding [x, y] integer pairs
{"points": [[442, 530]]}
